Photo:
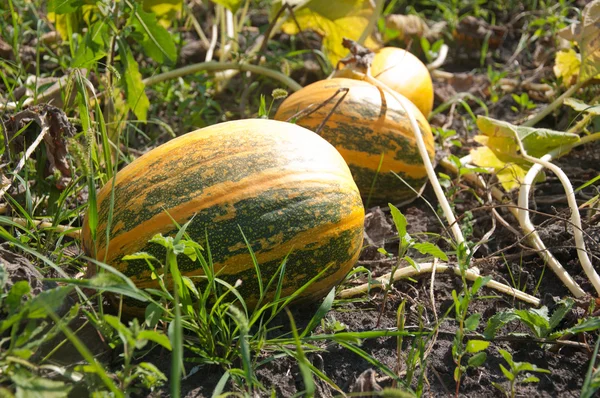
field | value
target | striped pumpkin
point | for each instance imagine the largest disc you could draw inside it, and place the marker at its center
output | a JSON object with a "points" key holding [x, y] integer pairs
{"points": [[287, 189], [366, 128], [406, 74]]}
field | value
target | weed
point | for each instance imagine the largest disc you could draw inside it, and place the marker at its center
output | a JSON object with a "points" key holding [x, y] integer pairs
{"points": [[514, 373]]}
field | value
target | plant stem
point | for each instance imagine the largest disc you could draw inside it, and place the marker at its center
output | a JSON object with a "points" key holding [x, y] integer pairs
{"points": [[584, 259], [435, 183], [221, 66], [555, 104], [410, 271], [372, 22]]}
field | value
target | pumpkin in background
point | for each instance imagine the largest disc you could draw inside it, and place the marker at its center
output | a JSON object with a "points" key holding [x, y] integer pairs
{"points": [[288, 190], [365, 126], [406, 74]]}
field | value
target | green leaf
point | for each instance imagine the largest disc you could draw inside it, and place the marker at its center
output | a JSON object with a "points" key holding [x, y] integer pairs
{"points": [[479, 283], [333, 20], [472, 322], [110, 283], [497, 321], [536, 319], [501, 151], [93, 46], [507, 373], [164, 241], [507, 357], [232, 5], [134, 86], [52, 299], [152, 314], [154, 336], [30, 386], [156, 41], [559, 313], [431, 249], [530, 379], [64, 6], [321, 312], [474, 346], [15, 295], [139, 256], [477, 360], [581, 106], [589, 325], [400, 222]]}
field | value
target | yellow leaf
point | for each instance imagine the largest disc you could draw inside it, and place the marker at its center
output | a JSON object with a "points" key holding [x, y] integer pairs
{"points": [[165, 10], [334, 20], [509, 174], [566, 65]]}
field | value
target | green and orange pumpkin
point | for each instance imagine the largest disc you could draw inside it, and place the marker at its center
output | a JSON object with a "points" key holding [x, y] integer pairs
{"points": [[287, 189], [406, 74], [371, 131]]}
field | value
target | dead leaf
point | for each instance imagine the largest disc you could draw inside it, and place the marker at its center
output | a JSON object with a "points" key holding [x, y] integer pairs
{"points": [[59, 128], [366, 384], [405, 26], [471, 32]]}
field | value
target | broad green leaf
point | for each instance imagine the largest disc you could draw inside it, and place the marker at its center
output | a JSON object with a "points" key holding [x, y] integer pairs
{"points": [[431, 249], [474, 346], [581, 106], [334, 20], [155, 39], [501, 150], [134, 86], [536, 319], [232, 5], [477, 360], [93, 45], [472, 322], [497, 321], [158, 338]]}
